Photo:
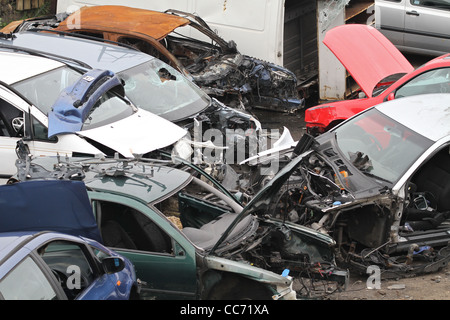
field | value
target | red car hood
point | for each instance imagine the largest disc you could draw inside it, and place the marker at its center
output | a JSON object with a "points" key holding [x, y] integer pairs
{"points": [[366, 54]]}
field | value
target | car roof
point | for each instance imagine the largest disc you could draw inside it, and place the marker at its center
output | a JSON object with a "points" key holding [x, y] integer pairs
{"points": [[146, 183], [96, 54], [428, 114], [124, 19], [17, 66]]}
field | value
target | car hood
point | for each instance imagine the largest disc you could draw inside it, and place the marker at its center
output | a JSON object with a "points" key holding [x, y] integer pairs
{"points": [[138, 134], [43, 205], [366, 54]]}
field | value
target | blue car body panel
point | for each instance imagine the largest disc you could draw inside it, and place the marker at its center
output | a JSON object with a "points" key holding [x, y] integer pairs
{"points": [[77, 101]]}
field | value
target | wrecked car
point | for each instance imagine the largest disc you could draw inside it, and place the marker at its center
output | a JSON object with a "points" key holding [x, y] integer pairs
{"points": [[54, 108], [214, 64], [380, 70], [190, 238], [154, 86], [378, 184], [38, 262]]}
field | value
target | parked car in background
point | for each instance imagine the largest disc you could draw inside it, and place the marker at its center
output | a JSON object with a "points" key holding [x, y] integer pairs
{"points": [[214, 64], [55, 109], [375, 66], [39, 264], [149, 83], [189, 238], [415, 26], [378, 183]]}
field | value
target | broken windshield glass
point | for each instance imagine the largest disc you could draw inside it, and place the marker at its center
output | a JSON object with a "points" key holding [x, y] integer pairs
{"points": [[160, 89]]}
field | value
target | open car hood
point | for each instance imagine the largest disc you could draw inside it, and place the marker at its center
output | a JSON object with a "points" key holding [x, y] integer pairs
{"points": [[264, 197], [366, 54], [48, 205]]}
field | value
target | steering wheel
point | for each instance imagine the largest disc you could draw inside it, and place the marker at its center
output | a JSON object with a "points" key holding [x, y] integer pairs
{"points": [[17, 124]]}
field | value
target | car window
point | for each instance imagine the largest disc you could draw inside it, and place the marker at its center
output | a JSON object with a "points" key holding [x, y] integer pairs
{"points": [[11, 120], [379, 146], [126, 228], [433, 81], [42, 90], [436, 4], [70, 265], [26, 282]]}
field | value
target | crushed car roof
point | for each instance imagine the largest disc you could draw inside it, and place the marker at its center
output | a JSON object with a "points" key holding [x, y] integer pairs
{"points": [[16, 67], [153, 23], [366, 54]]}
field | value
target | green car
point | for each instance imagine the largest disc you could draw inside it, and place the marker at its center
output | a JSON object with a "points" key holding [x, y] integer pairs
{"points": [[188, 237]]}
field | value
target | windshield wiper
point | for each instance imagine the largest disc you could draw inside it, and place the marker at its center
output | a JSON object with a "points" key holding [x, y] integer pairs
{"points": [[367, 173]]}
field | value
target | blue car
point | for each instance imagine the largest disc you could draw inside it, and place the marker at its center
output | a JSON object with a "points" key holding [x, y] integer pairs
{"points": [[68, 263]]}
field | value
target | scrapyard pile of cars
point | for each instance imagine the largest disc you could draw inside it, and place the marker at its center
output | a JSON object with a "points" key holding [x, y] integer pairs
{"points": [[99, 127], [226, 248]]}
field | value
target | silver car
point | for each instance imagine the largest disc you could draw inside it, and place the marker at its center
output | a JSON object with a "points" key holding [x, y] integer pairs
{"points": [[415, 26]]}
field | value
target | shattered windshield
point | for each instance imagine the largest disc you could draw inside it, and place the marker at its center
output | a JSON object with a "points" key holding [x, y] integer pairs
{"points": [[44, 89], [158, 88], [379, 146]]}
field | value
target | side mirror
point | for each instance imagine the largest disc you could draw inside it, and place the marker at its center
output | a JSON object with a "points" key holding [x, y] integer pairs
{"points": [[391, 96], [113, 264]]}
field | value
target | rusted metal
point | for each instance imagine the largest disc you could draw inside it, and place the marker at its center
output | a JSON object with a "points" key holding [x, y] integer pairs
{"points": [[124, 20]]}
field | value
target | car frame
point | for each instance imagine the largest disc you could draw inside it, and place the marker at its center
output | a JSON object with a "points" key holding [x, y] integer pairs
{"points": [[392, 84], [377, 184]]}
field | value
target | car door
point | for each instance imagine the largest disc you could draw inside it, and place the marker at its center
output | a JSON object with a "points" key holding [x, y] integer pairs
{"points": [[20, 121], [12, 129], [426, 25], [78, 272], [390, 19], [164, 259]]}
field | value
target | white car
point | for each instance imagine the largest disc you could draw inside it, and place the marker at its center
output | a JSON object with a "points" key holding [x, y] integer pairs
{"points": [[415, 26], [54, 109]]}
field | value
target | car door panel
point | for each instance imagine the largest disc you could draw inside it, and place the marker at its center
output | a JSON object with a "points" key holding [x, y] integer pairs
{"points": [[426, 25], [390, 19], [165, 275]]}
